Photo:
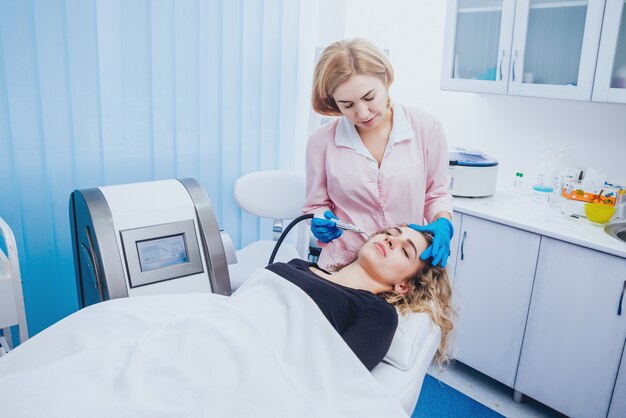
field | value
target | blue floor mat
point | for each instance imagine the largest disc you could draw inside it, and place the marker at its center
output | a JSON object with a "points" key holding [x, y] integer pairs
{"points": [[440, 400]]}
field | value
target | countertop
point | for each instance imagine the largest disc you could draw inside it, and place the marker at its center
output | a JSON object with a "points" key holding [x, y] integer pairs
{"points": [[521, 212]]}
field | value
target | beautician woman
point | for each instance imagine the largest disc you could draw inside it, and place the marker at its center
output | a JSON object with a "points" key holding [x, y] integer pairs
{"points": [[377, 165]]}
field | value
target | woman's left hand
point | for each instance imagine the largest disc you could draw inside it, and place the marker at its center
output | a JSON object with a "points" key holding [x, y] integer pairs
{"points": [[442, 231]]}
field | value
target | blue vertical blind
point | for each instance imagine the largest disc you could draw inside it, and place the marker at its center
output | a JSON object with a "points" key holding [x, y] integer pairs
{"points": [[95, 93]]}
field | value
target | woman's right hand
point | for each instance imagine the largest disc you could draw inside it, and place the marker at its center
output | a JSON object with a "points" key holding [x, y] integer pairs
{"points": [[324, 229]]}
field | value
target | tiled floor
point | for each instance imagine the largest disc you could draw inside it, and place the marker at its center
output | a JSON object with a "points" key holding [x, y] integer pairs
{"points": [[491, 393]]}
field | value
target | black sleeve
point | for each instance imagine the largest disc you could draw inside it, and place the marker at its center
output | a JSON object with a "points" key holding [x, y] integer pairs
{"points": [[371, 333]]}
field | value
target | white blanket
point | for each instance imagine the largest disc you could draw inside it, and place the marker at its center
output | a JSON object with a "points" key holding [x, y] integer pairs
{"points": [[267, 351]]}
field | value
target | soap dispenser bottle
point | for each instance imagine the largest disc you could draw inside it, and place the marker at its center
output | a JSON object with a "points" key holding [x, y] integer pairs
{"points": [[544, 169], [556, 180]]}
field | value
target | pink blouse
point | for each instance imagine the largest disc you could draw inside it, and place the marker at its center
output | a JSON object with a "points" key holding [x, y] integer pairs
{"points": [[411, 185]]}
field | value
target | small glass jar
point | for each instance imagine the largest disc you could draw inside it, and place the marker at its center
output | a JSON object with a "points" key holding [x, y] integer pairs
{"points": [[541, 194]]}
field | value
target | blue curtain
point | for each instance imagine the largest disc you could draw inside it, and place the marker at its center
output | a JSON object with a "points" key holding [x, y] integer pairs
{"points": [[94, 93]]}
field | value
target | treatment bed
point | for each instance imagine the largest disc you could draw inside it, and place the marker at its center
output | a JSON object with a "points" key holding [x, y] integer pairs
{"points": [[267, 350], [167, 342]]}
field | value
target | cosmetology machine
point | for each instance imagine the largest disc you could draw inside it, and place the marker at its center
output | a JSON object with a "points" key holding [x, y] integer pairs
{"points": [[472, 173], [146, 238]]}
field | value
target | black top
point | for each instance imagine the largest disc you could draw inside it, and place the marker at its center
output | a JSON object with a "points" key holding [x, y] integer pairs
{"points": [[366, 322]]}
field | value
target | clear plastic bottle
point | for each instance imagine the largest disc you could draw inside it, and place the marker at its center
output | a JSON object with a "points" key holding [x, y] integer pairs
{"points": [[620, 205], [518, 185], [556, 179], [544, 169]]}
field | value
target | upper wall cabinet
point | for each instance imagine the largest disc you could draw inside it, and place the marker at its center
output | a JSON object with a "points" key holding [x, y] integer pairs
{"points": [[477, 45], [610, 84], [541, 48]]}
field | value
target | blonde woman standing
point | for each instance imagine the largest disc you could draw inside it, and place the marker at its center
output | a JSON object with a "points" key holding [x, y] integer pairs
{"points": [[379, 163]]}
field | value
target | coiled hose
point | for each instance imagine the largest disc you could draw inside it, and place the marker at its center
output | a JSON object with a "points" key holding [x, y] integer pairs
{"points": [[285, 232]]}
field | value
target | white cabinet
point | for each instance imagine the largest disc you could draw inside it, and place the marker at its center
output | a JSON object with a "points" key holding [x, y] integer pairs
{"points": [[477, 45], [491, 291], [610, 82], [543, 48], [618, 403], [574, 336]]}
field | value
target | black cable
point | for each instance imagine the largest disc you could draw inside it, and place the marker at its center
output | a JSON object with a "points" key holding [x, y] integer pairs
{"points": [[285, 232]]}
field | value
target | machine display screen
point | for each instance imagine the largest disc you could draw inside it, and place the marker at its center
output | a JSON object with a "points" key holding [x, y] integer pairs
{"points": [[162, 252]]}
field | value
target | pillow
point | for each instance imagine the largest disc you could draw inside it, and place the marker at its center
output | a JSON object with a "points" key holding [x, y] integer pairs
{"points": [[415, 330]]}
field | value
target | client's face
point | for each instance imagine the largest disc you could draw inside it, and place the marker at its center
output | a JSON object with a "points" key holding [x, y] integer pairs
{"points": [[393, 256]]}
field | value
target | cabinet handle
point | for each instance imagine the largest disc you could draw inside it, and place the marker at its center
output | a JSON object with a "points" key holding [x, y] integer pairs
{"points": [[463, 245], [513, 66], [621, 299], [500, 65]]}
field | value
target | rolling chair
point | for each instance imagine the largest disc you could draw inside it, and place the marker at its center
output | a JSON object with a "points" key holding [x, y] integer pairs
{"points": [[279, 195], [12, 310], [272, 194]]}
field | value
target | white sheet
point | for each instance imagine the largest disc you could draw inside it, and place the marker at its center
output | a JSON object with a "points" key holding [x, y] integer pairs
{"points": [[267, 351]]}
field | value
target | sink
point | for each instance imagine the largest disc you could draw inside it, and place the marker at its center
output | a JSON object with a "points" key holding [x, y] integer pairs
{"points": [[617, 229]]}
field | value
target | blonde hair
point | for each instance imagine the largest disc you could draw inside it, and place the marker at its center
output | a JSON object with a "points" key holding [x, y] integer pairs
{"points": [[339, 62], [429, 292]]}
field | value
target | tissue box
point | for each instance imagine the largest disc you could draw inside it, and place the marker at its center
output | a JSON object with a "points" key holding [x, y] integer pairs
{"points": [[573, 190]]}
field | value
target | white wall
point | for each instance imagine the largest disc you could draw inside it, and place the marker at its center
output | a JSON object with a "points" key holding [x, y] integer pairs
{"points": [[515, 130], [322, 22]]}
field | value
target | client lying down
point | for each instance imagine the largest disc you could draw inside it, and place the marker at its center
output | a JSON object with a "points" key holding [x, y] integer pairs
{"points": [[359, 299], [274, 348]]}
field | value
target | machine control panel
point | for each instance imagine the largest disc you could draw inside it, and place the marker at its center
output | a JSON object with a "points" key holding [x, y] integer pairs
{"points": [[162, 252]]}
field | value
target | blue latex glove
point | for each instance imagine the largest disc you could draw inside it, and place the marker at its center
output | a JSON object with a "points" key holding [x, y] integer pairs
{"points": [[325, 230], [442, 231]]}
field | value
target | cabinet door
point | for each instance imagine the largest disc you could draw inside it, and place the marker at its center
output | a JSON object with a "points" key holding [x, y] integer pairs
{"points": [[574, 336], [492, 287], [555, 44], [477, 44], [454, 245], [610, 84], [618, 402]]}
